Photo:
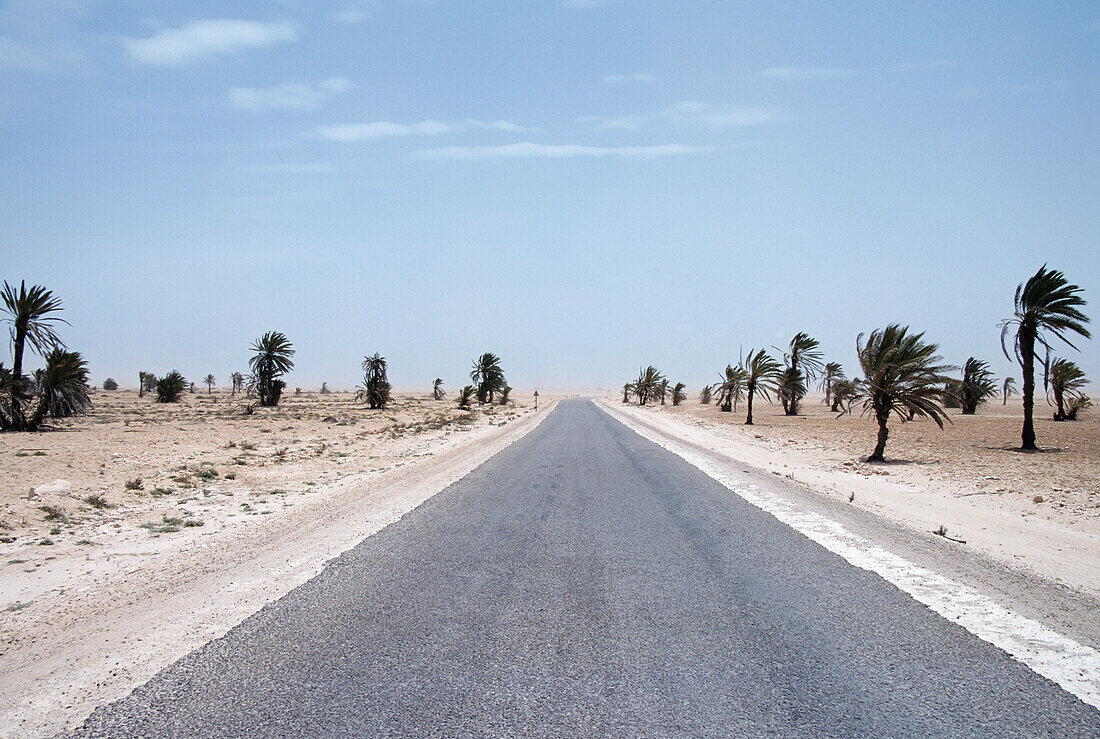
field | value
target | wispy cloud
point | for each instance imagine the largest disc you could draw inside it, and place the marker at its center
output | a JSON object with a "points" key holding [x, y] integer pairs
{"points": [[355, 12], [289, 96], [177, 46], [352, 132], [691, 114], [806, 73], [529, 150], [615, 79]]}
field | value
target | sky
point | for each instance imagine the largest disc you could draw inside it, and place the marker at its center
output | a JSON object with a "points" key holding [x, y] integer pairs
{"points": [[583, 187]]}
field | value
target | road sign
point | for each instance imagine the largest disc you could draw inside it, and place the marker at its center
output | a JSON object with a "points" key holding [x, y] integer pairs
{"points": [[536, 400]]}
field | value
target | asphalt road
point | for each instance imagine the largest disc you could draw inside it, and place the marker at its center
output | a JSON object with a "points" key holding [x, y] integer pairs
{"points": [[585, 582]]}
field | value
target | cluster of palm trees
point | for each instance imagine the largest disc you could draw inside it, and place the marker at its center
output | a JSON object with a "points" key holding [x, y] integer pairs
{"points": [[58, 390], [653, 385], [489, 385], [904, 376]]}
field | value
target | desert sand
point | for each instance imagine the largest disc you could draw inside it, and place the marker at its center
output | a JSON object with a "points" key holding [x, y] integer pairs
{"points": [[1037, 512], [183, 519]]}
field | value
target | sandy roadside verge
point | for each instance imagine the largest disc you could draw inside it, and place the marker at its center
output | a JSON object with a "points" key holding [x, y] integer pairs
{"points": [[1012, 530], [111, 621]]}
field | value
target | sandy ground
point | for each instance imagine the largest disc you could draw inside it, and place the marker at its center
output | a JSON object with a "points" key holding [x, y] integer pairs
{"points": [[184, 519], [1037, 512]]}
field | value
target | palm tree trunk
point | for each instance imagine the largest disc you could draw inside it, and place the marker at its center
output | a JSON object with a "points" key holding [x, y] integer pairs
{"points": [[748, 419], [1059, 403], [1027, 350], [880, 447]]}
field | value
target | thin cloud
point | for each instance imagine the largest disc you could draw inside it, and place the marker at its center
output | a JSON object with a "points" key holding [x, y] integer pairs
{"points": [[353, 132], [529, 150], [199, 39], [806, 73], [615, 79], [290, 96], [355, 12]]}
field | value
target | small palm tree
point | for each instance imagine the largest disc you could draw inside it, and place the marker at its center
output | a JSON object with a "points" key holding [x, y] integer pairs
{"points": [[210, 383], [1067, 383], [1045, 304], [731, 388], [376, 386], [488, 376], [902, 376], [170, 387], [678, 394], [648, 384], [30, 316], [238, 382], [62, 387], [833, 372], [662, 389], [1008, 389], [761, 376], [803, 362], [324, 389], [845, 391], [977, 386], [271, 360], [438, 393], [704, 395], [628, 390], [504, 393], [110, 384], [465, 395], [147, 383]]}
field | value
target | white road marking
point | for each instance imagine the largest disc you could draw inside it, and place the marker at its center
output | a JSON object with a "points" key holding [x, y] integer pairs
{"points": [[1075, 667]]}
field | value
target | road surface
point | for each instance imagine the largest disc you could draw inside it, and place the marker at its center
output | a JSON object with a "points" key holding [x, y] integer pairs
{"points": [[586, 582]]}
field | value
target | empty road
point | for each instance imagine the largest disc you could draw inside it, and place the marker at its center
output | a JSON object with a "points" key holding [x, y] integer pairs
{"points": [[586, 582]]}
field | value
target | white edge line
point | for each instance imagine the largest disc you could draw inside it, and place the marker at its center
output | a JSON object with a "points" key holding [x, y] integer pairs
{"points": [[1073, 666]]}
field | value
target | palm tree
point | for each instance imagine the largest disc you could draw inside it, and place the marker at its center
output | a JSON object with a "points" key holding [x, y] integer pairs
{"points": [[376, 386], [730, 387], [438, 393], [628, 390], [29, 314], [977, 385], [678, 394], [465, 395], [704, 395], [833, 372], [1067, 382], [270, 361], [648, 384], [210, 383], [844, 392], [170, 387], [487, 376], [1077, 403], [802, 363], [238, 382], [1008, 389], [902, 376], [761, 376], [324, 389], [504, 393], [110, 384], [62, 387], [662, 389], [1046, 303]]}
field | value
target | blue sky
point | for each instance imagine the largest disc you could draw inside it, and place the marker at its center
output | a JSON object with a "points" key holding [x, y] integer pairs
{"points": [[582, 187]]}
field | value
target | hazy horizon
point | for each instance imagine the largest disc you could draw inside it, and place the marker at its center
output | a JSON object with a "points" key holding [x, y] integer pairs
{"points": [[581, 187]]}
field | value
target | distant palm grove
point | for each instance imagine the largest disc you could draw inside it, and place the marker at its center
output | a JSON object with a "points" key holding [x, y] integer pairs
{"points": [[903, 375], [900, 374]]}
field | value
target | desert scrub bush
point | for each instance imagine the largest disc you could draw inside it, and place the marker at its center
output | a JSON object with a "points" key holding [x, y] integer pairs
{"points": [[54, 513], [159, 492], [135, 484], [247, 446], [96, 500], [170, 387], [230, 476], [207, 473]]}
